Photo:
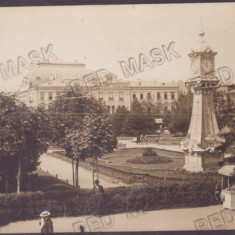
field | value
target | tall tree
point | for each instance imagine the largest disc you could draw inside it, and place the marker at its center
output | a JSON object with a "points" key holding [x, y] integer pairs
{"points": [[91, 140], [24, 135], [225, 113], [223, 106], [138, 120], [180, 117], [118, 119], [69, 113]]}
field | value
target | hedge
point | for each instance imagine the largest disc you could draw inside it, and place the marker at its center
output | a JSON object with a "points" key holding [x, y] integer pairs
{"points": [[24, 206]]}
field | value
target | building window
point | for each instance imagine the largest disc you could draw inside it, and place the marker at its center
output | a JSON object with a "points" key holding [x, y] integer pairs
{"points": [[42, 105], [113, 109], [165, 95], [31, 98], [41, 95], [172, 95], [141, 96], [165, 109], [134, 96], [159, 108], [158, 95], [110, 95], [50, 95], [172, 108], [100, 95], [148, 96], [121, 96]]}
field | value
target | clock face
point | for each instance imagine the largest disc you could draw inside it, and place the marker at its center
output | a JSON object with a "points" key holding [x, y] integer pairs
{"points": [[195, 66], [207, 66]]}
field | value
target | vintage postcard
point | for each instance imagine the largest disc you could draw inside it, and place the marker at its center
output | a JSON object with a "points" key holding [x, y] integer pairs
{"points": [[117, 118]]}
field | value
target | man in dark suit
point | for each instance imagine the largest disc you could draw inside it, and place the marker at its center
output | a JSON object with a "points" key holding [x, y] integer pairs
{"points": [[46, 224]]}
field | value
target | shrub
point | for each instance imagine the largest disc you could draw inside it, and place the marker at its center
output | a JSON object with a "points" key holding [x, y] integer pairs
{"points": [[149, 152], [73, 202]]}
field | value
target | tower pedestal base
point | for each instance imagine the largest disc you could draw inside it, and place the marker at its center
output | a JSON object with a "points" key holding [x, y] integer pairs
{"points": [[194, 163]]}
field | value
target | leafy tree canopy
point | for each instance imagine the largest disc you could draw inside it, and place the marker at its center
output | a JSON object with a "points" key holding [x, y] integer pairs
{"points": [[24, 134]]}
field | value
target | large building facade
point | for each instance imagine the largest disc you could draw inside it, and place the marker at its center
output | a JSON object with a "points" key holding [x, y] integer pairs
{"points": [[162, 95], [42, 86]]}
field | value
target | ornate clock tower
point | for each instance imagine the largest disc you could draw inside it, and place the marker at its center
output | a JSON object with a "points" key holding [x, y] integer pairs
{"points": [[202, 137]]}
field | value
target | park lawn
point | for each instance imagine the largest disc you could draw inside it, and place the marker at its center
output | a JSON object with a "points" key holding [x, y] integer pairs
{"points": [[120, 158], [41, 181], [117, 160]]}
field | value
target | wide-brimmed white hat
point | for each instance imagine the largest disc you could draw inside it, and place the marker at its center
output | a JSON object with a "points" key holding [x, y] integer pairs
{"points": [[45, 214]]}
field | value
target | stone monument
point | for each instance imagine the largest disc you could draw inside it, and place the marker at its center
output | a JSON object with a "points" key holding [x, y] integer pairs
{"points": [[202, 137]]}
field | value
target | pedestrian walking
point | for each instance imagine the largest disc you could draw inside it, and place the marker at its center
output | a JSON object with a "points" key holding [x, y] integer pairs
{"points": [[145, 139], [82, 229], [138, 139], [100, 203], [141, 138], [46, 224]]}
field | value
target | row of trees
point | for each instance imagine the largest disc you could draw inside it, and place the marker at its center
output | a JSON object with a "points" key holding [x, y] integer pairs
{"points": [[75, 122], [225, 114], [178, 120], [137, 120], [141, 117]]}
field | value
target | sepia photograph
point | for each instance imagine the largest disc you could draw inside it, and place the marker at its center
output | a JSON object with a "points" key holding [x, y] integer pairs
{"points": [[117, 118]]}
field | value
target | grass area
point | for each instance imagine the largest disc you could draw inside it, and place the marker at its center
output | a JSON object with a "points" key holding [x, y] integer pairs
{"points": [[141, 173], [149, 160], [41, 181], [37, 181], [119, 159]]}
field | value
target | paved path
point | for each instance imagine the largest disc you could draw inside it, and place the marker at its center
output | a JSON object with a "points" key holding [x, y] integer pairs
{"points": [[161, 220], [63, 170], [131, 144]]}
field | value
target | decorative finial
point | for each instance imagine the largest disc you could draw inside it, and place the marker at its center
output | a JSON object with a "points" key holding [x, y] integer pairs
{"points": [[201, 33]]}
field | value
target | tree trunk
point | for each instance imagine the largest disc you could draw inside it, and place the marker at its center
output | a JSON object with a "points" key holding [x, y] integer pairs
{"points": [[6, 184], [93, 171], [19, 174], [76, 172], [97, 177], [75, 175], [73, 171]]}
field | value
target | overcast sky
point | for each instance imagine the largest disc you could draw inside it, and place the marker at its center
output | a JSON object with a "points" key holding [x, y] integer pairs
{"points": [[100, 36]]}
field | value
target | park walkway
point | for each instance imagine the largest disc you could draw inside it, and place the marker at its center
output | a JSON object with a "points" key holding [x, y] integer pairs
{"points": [[63, 170], [132, 144], [213, 217]]}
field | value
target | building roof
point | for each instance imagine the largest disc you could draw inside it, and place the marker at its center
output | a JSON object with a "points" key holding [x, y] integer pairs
{"points": [[232, 91], [50, 71], [152, 84], [50, 83], [228, 170]]}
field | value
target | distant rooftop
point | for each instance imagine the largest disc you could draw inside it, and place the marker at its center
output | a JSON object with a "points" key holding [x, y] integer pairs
{"points": [[152, 84], [62, 72]]}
